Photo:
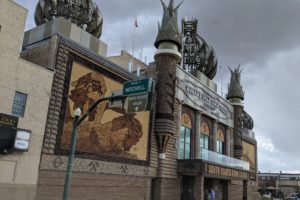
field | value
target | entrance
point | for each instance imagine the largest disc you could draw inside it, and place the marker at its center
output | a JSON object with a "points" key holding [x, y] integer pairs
{"points": [[219, 186], [244, 190], [187, 188]]}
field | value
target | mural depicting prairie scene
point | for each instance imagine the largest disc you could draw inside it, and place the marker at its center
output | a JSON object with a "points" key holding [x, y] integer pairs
{"points": [[105, 131], [249, 155]]}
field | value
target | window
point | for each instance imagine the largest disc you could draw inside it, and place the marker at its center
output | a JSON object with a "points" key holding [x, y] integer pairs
{"points": [[19, 104], [204, 137], [220, 141], [185, 136], [185, 143], [220, 147], [204, 141]]}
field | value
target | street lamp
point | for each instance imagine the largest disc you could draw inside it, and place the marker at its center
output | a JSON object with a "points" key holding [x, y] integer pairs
{"points": [[280, 184], [298, 185], [72, 152], [76, 123]]}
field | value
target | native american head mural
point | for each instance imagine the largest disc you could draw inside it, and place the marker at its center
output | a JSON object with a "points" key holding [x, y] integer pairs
{"points": [[105, 131]]}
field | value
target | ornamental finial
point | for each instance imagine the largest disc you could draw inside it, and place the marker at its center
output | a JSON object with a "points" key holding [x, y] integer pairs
{"points": [[168, 30]]}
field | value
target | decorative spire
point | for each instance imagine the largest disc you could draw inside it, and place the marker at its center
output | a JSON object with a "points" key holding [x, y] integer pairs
{"points": [[168, 30], [235, 89], [83, 13]]}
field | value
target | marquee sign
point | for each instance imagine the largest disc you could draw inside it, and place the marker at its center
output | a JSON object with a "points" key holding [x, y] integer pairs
{"points": [[195, 94], [224, 171], [8, 120], [194, 167], [8, 128]]}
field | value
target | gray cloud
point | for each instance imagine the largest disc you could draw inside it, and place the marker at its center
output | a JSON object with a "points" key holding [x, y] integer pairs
{"points": [[261, 35]]}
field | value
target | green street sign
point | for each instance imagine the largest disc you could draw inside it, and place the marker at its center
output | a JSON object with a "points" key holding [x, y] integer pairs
{"points": [[138, 103], [137, 86]]}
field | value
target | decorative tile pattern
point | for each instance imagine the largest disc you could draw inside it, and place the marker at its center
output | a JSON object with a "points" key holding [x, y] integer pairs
{"points": [[53, 162]]}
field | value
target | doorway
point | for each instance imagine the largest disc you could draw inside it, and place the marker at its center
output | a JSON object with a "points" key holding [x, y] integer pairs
{"points": [[219, 186], [187, 188]]}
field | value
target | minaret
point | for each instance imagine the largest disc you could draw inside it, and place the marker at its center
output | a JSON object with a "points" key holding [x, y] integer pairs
{"points": [[236, 96], [167, 56]]}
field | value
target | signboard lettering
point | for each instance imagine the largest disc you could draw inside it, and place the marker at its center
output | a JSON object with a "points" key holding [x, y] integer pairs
{"points": [[8, 120], [137, 87], [138, 103], [222, 171], [200, 97]]}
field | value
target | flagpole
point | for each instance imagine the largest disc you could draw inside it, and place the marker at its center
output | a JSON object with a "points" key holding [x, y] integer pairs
{"points": [[142, 45], [133, 41], [221, 81]]}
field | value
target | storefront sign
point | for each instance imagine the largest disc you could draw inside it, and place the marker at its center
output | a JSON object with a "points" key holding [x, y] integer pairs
{"points": [[8, 120], [8, 128], [193, 93], [223, 171], [22, 140]]}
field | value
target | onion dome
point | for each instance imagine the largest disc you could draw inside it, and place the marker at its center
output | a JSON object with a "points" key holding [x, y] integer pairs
{"points": [[247, 121], [197, 54], [83, 13]]}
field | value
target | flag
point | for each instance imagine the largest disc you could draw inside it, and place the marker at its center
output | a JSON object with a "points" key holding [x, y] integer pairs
{"points": [[135, 23]]}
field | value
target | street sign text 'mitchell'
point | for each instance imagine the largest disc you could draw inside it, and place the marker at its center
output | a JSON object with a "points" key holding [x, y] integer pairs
{"points": [[136, 87]]}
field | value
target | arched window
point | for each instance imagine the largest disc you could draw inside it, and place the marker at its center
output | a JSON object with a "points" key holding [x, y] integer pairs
{"points": [[220, 141], [185, 136], [204, 137]]}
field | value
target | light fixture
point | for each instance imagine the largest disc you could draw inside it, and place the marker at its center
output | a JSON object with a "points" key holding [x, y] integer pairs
{"points": [[77, 112]]}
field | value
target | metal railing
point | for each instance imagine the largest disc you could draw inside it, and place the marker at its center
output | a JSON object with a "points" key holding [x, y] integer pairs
{"points": [[223, 160]]}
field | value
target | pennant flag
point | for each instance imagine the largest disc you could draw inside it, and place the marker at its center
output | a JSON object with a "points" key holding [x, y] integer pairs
{"points": [[135, 23]]}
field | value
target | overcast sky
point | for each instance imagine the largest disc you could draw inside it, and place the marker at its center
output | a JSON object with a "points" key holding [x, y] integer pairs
{"points": [[263, 36]]}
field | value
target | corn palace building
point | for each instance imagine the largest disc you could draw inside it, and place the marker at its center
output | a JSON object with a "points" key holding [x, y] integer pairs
{"points": [[190, 141]]}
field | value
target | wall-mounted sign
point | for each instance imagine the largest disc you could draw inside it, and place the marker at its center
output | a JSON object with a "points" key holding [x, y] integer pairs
{"points": [[8, 128], [22, 140], [224, 171], [195, 167], [8, 120], [193, 93]]}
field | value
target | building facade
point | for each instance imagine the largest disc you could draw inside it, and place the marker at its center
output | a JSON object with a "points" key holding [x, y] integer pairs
{"points": [[278, 183], [128, 62], [192, 140], [24, 99]]}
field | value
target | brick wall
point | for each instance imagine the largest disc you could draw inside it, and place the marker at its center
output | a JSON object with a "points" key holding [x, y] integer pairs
{"points": [[92, 186], [252, 193], [235, 190]]}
